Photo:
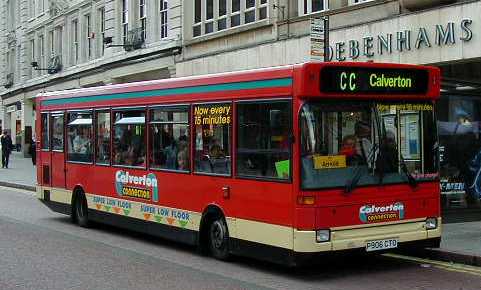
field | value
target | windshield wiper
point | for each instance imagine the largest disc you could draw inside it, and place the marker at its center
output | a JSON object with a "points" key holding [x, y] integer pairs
{"points": [[411, 180], [381, 136], [351, 184]]}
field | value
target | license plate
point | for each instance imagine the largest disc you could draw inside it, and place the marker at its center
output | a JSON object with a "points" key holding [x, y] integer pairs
{"points": [[381, 245]]}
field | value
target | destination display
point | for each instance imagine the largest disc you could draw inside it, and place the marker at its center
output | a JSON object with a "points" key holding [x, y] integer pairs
{"points": [[364, 80]]}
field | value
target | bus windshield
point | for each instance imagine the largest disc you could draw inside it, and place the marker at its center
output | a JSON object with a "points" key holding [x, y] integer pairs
{"points": [[348, 143]]}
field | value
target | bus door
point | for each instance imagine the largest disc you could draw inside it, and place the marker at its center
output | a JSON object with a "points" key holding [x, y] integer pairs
{"points": [[263, 163], [44, 164], [58, 149]]}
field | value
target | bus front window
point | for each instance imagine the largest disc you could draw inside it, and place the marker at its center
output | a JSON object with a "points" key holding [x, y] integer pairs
{"points": [[368, 142]]}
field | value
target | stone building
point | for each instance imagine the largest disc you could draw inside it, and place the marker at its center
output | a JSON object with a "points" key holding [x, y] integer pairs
{"points": [[88, 43], [57, 44]]}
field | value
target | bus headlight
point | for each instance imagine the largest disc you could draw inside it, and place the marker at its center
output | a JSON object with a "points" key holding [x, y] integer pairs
{"points": [[431, 223], [323, 236]]}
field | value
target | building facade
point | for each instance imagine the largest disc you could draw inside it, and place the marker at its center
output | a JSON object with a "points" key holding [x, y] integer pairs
{"points": [[168, 38], [57, 44], [446, 34]]}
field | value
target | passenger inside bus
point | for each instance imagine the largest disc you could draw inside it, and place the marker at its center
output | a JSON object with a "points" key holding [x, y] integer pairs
{"points": [[183, 154], [81, 142], [171, 155], [183, 157], [348, 149], [387, 160], [215, 150], [130, 149], [103, 146], [362, 130]]}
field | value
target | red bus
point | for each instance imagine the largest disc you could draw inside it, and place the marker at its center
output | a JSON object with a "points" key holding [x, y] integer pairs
{"points": [[280, 163]]}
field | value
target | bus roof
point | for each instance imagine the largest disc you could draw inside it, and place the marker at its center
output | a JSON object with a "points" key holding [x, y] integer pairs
{"points": [[263, 82]]}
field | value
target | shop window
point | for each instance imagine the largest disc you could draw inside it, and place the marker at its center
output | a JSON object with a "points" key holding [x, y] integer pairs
{"points": [[57, 132], [79, 137], [169, 132], [212, 138], [103, 137], [45, 132], [263, 140], [129, 138], [459, 127]]}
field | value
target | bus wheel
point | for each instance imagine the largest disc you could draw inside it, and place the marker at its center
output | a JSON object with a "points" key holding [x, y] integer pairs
{"points": [[81, 210], [219, 239]]}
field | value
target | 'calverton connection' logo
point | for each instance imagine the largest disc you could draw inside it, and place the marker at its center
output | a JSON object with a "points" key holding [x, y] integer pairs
{"points": [[142, 187], [373, 213]]}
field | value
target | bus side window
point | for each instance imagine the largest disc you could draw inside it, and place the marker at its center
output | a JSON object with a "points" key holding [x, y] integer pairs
{"points": [[79, 137], [169, 138], [263, 143], [129, 147], [213, 125], [103, 137]]}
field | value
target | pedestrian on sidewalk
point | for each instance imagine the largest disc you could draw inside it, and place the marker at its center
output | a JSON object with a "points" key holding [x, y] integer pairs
{"points": [[6, 142], [33, 152]]}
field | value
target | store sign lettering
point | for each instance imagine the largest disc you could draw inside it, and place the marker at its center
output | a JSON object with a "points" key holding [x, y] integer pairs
{"points": [[402, 41], [452, 186]]}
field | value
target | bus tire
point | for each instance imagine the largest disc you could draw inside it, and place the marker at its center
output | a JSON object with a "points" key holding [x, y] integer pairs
{"points": [[81, 210], [218, 237]]}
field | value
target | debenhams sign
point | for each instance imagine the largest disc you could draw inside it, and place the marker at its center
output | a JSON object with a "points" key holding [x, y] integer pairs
{"points": [[403, 41]]}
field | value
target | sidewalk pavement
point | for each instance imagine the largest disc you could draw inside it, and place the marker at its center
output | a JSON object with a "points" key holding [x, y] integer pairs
{"points": [[20, 173], [461, 241]]}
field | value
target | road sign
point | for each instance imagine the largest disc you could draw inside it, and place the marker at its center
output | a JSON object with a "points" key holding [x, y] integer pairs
{"points": [[319, 38]]}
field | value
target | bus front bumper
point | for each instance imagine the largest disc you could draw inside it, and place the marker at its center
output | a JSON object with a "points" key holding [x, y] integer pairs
{"points": [[357, 237]]}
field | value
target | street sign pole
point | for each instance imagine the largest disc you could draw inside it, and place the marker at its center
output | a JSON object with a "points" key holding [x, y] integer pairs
{"points": [[326, 38], [319, 38]]}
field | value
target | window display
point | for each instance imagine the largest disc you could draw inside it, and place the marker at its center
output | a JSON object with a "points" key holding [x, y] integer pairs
{"points": [[460, 150]]}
